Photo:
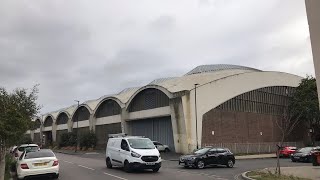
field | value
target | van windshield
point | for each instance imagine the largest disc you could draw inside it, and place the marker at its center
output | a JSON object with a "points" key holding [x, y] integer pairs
{"points": [[141, 144]]}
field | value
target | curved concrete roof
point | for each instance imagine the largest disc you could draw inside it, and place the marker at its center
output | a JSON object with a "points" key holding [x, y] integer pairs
{"points": [[218, 67], [200, 75]]}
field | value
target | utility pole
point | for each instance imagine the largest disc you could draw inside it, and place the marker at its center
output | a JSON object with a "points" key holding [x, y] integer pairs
{"points": [[77, 143], [196, 112]]}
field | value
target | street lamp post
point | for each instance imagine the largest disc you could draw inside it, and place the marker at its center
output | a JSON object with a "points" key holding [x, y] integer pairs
{"points": [[77, 127], [196, 112]]}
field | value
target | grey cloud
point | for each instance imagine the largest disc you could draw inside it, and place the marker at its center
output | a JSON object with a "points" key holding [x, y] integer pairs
{"points": [[83, 50]]}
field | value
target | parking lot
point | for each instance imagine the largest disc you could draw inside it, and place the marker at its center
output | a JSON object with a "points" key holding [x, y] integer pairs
{"points": [[92, 166]]}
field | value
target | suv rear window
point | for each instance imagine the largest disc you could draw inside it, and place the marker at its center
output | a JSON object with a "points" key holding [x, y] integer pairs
{"points": [[29, 147], [38, 154]]}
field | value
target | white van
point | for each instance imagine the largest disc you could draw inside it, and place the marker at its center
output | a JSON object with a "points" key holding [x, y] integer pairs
{"points": [[132, 152]]}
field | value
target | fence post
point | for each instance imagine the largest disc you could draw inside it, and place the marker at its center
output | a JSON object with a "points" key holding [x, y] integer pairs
{"points": [[235, 148], [247, 148], [269, 149], [259, 148]]}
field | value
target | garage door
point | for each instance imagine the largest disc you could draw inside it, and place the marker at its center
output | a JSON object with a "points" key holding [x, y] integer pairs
{"points": [[36, 138], [157, 129], [102, 132]]}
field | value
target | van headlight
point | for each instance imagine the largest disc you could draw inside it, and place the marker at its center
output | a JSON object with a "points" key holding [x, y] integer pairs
{"points": [[136, 155]]}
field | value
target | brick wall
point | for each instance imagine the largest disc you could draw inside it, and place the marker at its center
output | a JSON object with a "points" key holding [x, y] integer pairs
{"points": [[243, 127]]}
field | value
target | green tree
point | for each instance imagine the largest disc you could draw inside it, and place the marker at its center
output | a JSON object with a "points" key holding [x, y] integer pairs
{"points": [[17, 108], [305, 103]]}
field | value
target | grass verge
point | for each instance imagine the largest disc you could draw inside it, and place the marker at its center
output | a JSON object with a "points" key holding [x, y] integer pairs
{"points": [[10, 166], [270, 176]]}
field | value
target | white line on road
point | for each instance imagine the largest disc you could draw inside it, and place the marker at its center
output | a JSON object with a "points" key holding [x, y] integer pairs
{"points": [[115, 176], [86, 167], [68, 162]]}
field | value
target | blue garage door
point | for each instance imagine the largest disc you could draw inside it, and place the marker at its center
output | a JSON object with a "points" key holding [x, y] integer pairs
{"points": [[157, 129]]}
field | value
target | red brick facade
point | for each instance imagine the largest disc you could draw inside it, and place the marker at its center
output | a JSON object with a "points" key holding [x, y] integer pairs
{"points": [[243, 127]]}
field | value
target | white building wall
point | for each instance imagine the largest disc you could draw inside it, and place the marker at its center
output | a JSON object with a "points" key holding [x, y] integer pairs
{"points": [[81, 124], [108, 120], [211, 95], [62, 127], [150, 113]]}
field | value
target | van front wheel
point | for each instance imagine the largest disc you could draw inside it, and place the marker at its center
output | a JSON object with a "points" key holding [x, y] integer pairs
{"points": [[108, 163], [127, 167]]}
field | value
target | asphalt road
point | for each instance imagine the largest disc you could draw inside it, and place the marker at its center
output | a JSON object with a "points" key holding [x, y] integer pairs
{"points": [[93, 167]]}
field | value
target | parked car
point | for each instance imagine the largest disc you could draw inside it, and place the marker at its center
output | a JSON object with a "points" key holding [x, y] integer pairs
{"points": [[161, 147], [20, 149], [208, 156], [33, 163], [132, 152], [286, 151], [302, 155], [12, 149]]}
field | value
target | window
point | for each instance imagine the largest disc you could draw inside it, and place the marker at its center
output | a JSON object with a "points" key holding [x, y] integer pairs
{"points": [[38, 154], [219, 150], [124, 145]]}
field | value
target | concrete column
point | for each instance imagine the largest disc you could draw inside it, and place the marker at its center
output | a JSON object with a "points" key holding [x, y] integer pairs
{"points": [[54, 131], [92, 123], [178, 125], [32, 135], [189, 118], [124, 123], [313, 13], [70, 124]]}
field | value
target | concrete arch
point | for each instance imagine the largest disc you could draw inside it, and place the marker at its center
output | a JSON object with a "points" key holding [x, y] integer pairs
{"points": [[76, 110], [60, 113], [106, 99], [45, 119], [160, 88], [212, 94]]}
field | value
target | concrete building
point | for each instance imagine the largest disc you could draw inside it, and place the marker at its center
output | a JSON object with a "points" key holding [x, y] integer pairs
{"points": [[313, 13], [211, 104]]}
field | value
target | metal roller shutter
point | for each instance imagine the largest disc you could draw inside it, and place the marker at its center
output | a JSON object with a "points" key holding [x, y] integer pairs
{"points": [[102, 132], [36, 138], [157, 129]]}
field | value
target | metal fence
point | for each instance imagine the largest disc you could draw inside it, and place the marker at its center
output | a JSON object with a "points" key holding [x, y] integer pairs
{"points": [[254, 148]]}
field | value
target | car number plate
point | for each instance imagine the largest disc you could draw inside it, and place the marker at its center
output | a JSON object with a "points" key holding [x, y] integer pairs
{"points": [[40, 164], [150, 163]]}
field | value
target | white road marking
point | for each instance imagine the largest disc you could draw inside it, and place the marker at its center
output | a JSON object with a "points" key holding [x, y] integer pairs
{"points": [[203, 174], [68, 162], [86, 167], [91, 153], [115, 176]]}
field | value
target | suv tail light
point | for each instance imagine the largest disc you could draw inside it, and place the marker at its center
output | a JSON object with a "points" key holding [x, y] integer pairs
{"points": [[24, 166], [55, 163]]}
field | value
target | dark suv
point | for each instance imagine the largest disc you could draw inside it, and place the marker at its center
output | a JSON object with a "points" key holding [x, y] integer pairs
{"points": [[208, 156]]}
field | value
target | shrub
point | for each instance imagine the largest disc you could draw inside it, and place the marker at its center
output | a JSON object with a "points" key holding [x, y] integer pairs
{"points": [[68, 139], [25, 140], [88, 140], [10, 166]]}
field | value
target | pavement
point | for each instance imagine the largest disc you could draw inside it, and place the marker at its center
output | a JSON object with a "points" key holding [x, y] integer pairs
{"points": [[310, 172], [169, 156], [91, 165]]}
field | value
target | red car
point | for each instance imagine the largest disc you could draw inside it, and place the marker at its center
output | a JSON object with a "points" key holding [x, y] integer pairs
{"points": [[286, 151]]}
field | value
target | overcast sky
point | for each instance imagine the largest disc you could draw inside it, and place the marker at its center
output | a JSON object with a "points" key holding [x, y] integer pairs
{"points": [[85, 49]]}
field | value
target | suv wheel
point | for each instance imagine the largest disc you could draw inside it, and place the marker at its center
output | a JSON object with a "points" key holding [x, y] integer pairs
{"points": [[200, 164], [108, 163], [167, 150], [155, 170], [230, 163]]}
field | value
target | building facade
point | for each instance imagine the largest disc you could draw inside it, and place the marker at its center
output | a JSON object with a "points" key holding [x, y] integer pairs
{"points": [[313, 13], [209, 105]]}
